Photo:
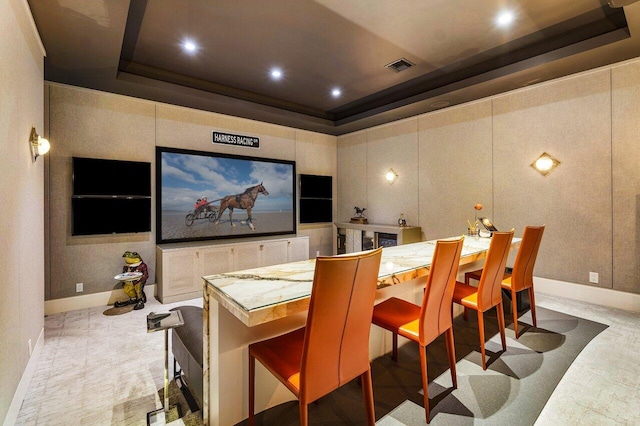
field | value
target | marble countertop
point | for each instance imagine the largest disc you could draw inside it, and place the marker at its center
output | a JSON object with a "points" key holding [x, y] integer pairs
{"points": [[264, 294]]}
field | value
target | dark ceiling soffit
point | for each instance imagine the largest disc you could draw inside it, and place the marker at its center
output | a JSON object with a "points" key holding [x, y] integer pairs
{"points": [[132, 30], [219, 89], [597, 25], [596, 28], [169, 93], [603, 25], [137, 9], [478, 80]]}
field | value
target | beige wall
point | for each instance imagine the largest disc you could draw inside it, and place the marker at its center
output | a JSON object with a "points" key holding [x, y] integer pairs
{"points": [[481, 153], [100, 125], [22, 195]]}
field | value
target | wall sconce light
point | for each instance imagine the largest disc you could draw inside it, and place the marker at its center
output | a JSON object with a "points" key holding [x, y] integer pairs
{"points": [[39, 146], [545, 164], [391, 176]]}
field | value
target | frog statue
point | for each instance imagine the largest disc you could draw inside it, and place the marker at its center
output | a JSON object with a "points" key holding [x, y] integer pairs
{"points": [[134, 288]]}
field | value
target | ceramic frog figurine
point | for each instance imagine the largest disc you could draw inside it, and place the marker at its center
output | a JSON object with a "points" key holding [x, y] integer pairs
{"points": [[134, 288]]}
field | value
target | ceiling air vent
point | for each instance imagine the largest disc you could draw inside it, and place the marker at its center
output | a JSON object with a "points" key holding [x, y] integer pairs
{"points": [[400, 65]]}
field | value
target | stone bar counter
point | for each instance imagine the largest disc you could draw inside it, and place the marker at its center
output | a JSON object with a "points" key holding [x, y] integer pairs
{"points": [[246, 306]]}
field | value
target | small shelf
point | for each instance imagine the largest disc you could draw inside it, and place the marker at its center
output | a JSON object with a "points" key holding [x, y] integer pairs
{"points": [[353, 237]]}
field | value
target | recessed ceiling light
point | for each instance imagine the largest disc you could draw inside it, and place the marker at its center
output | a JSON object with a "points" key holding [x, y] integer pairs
{"points": [[276, 73], [336, 92], [189, 46], [505, 18]]}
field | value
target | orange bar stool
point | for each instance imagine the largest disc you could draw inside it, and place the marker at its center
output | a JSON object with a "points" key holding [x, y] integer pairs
{"points": [[487, 294], [423, 324], [333, 348], [521, 277]]}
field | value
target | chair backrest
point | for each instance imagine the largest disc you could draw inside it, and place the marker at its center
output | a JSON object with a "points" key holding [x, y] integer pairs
{"points": [[435, 312], [522, 275], [336, 342], [489, 288]]}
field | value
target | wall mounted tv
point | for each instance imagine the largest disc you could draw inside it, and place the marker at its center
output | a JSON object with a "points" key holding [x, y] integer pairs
{"points": [[316, 203], [110, 196], [238, 196]]}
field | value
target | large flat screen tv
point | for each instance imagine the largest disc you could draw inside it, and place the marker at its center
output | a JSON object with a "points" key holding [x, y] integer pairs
{"points": [[207, 195], [110, 196]]}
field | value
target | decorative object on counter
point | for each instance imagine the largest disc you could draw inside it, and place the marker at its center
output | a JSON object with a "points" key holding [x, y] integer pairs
{"points": [[483, 233], [402, 221], [545, 164], [134, 276], [486, 222], [391, 176], [472, 228], [359, 217]]}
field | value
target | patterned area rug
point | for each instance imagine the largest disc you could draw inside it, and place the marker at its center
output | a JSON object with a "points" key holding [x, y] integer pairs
{"points": [[513, 389]]}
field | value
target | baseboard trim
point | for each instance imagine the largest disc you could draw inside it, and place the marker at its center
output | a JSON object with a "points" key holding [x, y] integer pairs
{"points": [[90, 300], [25, 381], [590, 294]]}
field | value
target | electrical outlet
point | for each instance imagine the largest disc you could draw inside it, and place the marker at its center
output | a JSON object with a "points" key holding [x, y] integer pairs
{"points": [[30, 347], [317, 253], [79, 287], [593, 277]]}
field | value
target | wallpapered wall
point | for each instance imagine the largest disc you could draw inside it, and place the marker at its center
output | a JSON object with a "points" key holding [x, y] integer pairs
{"points": [[481, 152], [22, 194], [87, 123]]}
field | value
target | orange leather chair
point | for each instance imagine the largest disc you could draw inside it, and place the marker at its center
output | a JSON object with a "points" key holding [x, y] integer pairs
{"points": [[521, 277], [333, 348], [487, 294], [423, 324]]}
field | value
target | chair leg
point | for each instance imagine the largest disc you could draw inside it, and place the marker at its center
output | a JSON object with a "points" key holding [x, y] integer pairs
{"points": [[252, 379], [465, 314], [367, 393], [532, 303], [304, 413], [394, 354], [451, 352], [514, 309], [503, 337], [481, 333], [425, 380]]}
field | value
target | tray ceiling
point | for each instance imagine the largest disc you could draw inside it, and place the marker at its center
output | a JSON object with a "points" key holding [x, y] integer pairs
{"points": [[458, 52]]}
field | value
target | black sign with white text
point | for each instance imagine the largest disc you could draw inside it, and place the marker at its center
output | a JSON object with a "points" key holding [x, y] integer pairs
{"points": [[238, 140]]}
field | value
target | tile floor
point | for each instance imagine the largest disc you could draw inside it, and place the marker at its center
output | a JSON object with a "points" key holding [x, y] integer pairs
{"points": [[105, 370], [96, 369]]}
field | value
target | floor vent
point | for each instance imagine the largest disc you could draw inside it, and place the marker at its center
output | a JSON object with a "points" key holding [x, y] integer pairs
{"points": [[400, 65]]}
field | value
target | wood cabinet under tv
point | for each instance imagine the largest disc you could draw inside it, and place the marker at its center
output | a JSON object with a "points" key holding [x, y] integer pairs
{"points": [[353, 237], [180, 267]]}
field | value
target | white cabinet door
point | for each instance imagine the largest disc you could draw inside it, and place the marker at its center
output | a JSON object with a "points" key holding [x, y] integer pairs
{"points": [[246, 256], [298, 249], [274, 252], [353, 241], [178, 274], [214, 260]]}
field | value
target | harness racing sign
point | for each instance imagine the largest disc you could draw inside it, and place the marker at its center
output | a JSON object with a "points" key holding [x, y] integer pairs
{"points": [[238, 140]]}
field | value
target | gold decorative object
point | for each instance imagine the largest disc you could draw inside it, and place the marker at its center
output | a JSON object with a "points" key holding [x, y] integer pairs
{"points": [[359, 217]]}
